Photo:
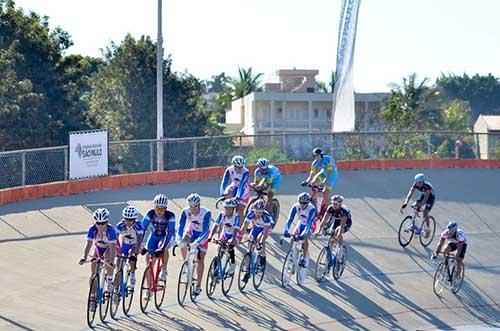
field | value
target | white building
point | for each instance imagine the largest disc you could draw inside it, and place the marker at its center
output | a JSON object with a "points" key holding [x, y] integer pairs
{"points": [[292, 106], [487, 143]]}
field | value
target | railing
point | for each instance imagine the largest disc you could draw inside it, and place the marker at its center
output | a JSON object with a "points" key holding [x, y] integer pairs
{"points": [[36, 166]]}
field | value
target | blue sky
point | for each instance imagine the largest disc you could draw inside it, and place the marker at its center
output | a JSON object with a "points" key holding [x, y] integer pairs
{"points": [[395, 37]]}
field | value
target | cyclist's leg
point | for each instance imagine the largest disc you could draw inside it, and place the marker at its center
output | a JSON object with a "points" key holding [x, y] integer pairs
{"points": [[203, 246], [460, 257], [186, 239], [170, 240], [270, 196]]}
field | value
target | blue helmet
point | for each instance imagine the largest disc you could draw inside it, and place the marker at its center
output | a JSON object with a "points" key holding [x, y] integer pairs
{"points": [[452, 226], [419, 178]]}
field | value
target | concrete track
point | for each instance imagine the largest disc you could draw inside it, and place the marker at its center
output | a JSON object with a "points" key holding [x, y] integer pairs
{"points": [[384, 286]]}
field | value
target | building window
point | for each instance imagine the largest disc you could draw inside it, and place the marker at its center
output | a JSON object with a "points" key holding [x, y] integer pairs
{"points": [[316, 114]]}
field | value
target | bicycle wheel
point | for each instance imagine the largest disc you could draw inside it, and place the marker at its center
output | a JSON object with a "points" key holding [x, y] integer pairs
{"points": [[91, 301], [321, 265], [301, 273], [161, 289], [431, 229], [456, 285], [287, 270], [405, 232], [227, 281], [249, 207], [258, 275], [193, 283], [439, 279], [129, 295], [276, 210], [104, 304], [338, 268], [116, 295], [182, 284], [212, 277], [244, 273], [145, 293]]}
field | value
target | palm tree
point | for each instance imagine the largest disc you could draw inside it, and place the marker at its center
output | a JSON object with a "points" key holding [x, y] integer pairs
{"points": [[245, 84]]}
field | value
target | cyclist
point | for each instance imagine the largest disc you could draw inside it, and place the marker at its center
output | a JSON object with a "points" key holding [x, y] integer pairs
{"points": [[457, 241], [342, 220], [131, 233], [427, 198], [195, 234], [306, 213], [323, 172], [234, 183], [267, 176], [261, 222], [103, 236], [227, 225], [162, 232]]}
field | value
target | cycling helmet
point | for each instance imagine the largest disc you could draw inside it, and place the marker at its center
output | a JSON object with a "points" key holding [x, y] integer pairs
{"points": [[101, 215], [129, 212], [337, 199], [238, 161], [304, 197], [318, 151], [259, 205], [419, 178], [193, 200], [263, 163], [230, 203], [160, 200], [452, 226]]}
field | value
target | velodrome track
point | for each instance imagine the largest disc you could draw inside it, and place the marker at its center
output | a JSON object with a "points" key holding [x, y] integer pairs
{"points": [[384, 286]]}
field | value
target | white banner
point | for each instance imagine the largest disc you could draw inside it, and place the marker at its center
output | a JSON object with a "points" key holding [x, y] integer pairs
{"points": [[88, 154], [343, 116]]}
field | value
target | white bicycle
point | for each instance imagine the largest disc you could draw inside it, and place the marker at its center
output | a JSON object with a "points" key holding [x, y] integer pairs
{"points": [[188, 275], [291, 264]]}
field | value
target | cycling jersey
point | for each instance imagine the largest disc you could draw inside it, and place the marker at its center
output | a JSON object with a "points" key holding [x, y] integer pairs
{"points": [[459, 237], [306, 218], [261, 222], [102, 239], [129, 235], [427, 187], [322, 167], [229, 223], [344, 211], [197, 228], [162, 228], [236, 181], [272, 179]]}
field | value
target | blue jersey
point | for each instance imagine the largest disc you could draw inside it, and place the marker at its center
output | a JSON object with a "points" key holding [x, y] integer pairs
{"points": [[130, 235], [260, 222], [236, 179], [326, 163], [273, 175], [160, 226], [102, 239]]}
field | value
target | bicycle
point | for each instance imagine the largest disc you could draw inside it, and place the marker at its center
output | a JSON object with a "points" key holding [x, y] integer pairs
{"points": [[218, 270], [151, 282], [326, 261], [188, 276], [122, 288], [262, 194], [315, 190], [291, 264], [408, 226], [98, 294], [444, 277], [251, 266]]}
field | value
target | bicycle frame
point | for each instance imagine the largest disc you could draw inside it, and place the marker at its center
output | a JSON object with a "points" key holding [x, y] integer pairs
{"points": [[122, 266], [154, 273]]}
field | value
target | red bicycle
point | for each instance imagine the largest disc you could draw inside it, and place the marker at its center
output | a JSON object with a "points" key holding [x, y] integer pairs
{"points": [[151, 283]]}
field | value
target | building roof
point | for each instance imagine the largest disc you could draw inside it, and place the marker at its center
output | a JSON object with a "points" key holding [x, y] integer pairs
{"points": [[492, 121]]}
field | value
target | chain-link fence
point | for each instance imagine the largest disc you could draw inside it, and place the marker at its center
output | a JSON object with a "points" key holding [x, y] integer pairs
{"points": [[45, 165]]}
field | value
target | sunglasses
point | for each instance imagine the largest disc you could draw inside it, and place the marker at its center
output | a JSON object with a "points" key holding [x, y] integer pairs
{"points": [[101, 223], [130, 219]]}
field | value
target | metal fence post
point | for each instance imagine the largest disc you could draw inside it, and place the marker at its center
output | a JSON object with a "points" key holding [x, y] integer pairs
{"points": [[285, 147], [476, 140], [241, 143], [66, 172], [195, 151], [429, 145], [151, 165], [23, 168]]}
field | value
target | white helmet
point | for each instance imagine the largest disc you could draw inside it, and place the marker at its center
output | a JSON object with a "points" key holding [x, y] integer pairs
{"points": [[160, 200], [238, 161], [193, 200], [129, 212], [304, 197], [263, 163], [230, 203], [101, 215], [337, 198]]}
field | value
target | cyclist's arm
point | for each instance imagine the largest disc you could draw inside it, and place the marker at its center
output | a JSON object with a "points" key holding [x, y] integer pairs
{"points": [[182, 224], [145, 223], [236, 226], [87, 248], [439, 246], [311, 173], [206, 226], [217, 223], [112, 245], [224, 182], [291, 217], [256, 176], [245, 225], [243, 183], [170, 232], [310, 219], [410, 193], [329, 169], [343, 221]]}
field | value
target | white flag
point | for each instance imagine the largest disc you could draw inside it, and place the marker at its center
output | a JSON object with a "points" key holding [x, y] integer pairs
{"points": [[343, 94]]}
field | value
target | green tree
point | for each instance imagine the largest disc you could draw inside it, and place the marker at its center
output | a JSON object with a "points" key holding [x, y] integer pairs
{"points": [[481, 92], [245, 84], [323, 87]]}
